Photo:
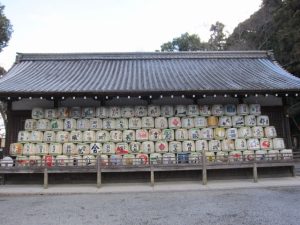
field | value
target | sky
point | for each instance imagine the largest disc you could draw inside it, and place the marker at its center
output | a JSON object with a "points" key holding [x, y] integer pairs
{"points": [[54, 26]]}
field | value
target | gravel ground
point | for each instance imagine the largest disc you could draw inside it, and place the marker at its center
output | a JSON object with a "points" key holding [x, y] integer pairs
{"points": [[239, 206]]}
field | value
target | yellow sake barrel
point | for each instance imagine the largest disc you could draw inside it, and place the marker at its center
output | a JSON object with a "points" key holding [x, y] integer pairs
{"points": [[88, 112], [154, 110], [35, 160], [147, 147], [207, 133], [238, 121], [49, 136], [135, 147], [116, 136], [128, 159], [37, 113], [83, 124], [175, 146], [76, 160], [188, 146], [102, 136], [102, 112], [22, 160], [270, 132], [169, 158], [104, 160], [95, 148], [147, 122], [286, 154], [30, 124], [155, 158], [219, 133], [273, 155], [83, 149], [89, 136], [167, 111], [257, 132], [155, 134], [109, 148], [230, 110], [57, 124], [36, 136], [62, 160], [217, 110], [116, 160], [214, 145], [168, 135], [127, 112], [75, 136], [263, 121], [161, 123], [260, 154], [250, 120], [232, 133], [278, 143], [194, 134], [240, 144], [244, 132], [41, 149], [195, 157], [210, 156], [205, 110], [227, 145], [141, 159], [242, 109], [43, 124], [15, 149], [141, 135], [51, 114], [89, 160], [69, 149], [174, 122], [63, 112], [253, 144], [201, 145], [122, 148], [235, 156], [6, 162], [24, 136], [187, 122], [48, 160], [212, 121], [128, 135], [55, 149], [222, 156], [193, 110], [28, 149], [140, 111], [135, 123], [75, 112], [62, 136], [161, 146], [180, 110], [225, 121], [200, 122], [181, 134], [114, 112], [70, 124], [248, 155], [121, 124], [255, 109], [266, 143]]}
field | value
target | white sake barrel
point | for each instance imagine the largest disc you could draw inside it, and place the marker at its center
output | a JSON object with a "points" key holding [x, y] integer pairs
{"points": [[167, 111], [235, 156], [238, 121], [169, 158], [263, 121], [43, 124], [83, 149], [168, 135], [193, 110], [116, 136], [121, 124], [141, 135], [200, 122], [75, 136], [70, 124], [195, 157], [248, 155], [95, 148], [41, 149], [161, 123], [201, 145], [214, 145], [147, 122], [83, 124], [76, 160], [62, 136], [75, 112], [278, 143], [273, 155], [210, 156], [63, 112], [55, 149], [230, 110], [114, 112], [227, 145], [49, 136], [260, 154], [244, 132], [135, 123], [48, 160], [187, 122], [128, 159], [174, 122], [217, 110], [116, 160], [286, 154], [51, 114], [155, 134], [140, 111], [180, 110], [207, 133], [155, 158], [104, 160], [225, 121], [240, 144], [161, 146], [89, 160], [15, 149], [253, 144], [205, 110], [154, 110], [102, 136], [194, 134], [127, 112], [188, 146], [28, 149], [212, 121], [6, 162], [219, 133], [30, 124], [89, 136], [257, 132], [250, 120], [222, 156], [95, 124], [62, 160], [242, 109], [57, 124], [270, 132], [266, 143], [128, 135], [175, 146], [134, 147], [255, 109], [22, 160], [109, 124], [147, 147], [181, 134], [69, 149], [35, 160], [23, 136], [141, 159], [102, 112], [88, 112], [37, 113], [36, 136], [232, 133], [109, 148]]}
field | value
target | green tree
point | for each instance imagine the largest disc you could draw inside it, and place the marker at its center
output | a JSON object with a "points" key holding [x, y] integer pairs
{"points": [[217, 39], [5, 29], [185, 42]]}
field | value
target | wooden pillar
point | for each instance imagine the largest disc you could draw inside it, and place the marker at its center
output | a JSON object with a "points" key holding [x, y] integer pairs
{"points": [[204, 171], [286, 123], [151, 176], [8, 127], [255, 177], [45, 178], [293, 170], [98, 172]]}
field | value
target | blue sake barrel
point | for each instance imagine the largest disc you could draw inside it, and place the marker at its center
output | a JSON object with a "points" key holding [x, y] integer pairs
{"points": [[183, 157]]}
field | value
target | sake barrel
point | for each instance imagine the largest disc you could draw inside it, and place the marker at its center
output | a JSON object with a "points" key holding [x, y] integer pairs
{"points": [[102, 136], [43, 124], [155, 158], [127, 112], [193, 110], [88, 112], [180, 110], [155, 134], [121, 124], [154, 110], [116, 160], [181, 134], [55, 149], [207, 133], [194, 134], [63, 112], [147, 147], [200, 122], [116, 136], [174, 122], [222, 157], [257, 132], [255, 109], [188, 146], [57, 124], [89, 160], [135, 123], [109, 148], [83, 149], [90, 136], [69, 149], [75, 112], [83, 124], [230, 110], [227, 145], [235, 156], [76, 160], [140, 111], [128, 159], [28, 149], [201, 145], [49, 136], [212, 121], [169, 158], [141, 159], [109, 124], [266, 143], [225, 121], [248, 155], [175, 146], [232, 133], [104, 160], [250, 120], [242, 109], [240, 144], [273, 155], [30, 124], [270, 132], [278, 143], [24, 136], [167, 111], [35, 160], [217, 110], [70, 124], [286, 154], [210, 156], [161, 123], [238, 121], [22, 160], [260, 154], [187, 122], [204, 110], [128, 135], [102, 112], [62, 136], [161, 146], [15, 149], [95, 124], [263, 121], [135, 147], [219, 133], [51, 114], [195, 157], [75, 136], [95, 148], [168, 135], [141, 135], [122, 148], [41, 149], [62, 160], [36, 136], [253, 144], [147, 122], [214, 145], [48, 160], [182, 158], [6, 162], [244, 132], [37, 113], [114, 112]]}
